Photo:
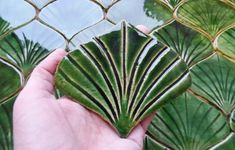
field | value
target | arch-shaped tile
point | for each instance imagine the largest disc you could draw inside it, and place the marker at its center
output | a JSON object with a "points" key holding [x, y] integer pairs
{"points": [[87, 35], [27, 46], [151, 13], [206, 15], [71, 16], [186, 123], [213, 79], [16, 16], [40, 3]]}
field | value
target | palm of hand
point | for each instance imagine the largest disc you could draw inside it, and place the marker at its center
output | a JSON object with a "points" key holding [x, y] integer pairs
{"points": [[42, 122]]}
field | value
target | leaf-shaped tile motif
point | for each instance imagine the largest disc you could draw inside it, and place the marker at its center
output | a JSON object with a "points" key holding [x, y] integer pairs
{"points": [[214, 80], [27, 46], [11, 80], [226, 42], [25, 54], [6, 136], [188, 124], [150, 13], [189, 44], [206, 16], [122, 76], [71, 16]]}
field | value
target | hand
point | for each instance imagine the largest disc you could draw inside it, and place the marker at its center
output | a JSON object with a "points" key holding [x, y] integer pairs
{"points": [[41, 122]]}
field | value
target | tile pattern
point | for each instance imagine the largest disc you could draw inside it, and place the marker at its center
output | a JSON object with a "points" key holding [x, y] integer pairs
{"points": [[31, 29]]}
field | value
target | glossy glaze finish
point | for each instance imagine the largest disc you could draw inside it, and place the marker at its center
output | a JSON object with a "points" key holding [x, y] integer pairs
{"points": [[200, 31], [123, 76]]}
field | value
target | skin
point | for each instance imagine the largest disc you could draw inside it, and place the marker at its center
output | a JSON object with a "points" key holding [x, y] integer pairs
{"points": [[42, 122]]}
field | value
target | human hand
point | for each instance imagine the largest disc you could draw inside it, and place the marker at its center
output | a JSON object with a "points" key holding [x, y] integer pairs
{"points": [[41, 122]]}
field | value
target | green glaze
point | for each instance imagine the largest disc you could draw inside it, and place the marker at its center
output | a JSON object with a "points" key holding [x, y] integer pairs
{"points": [[189, 44], [25, 54], [206, 15], [214, 80], [123, 76], [111, 74], [186, 123], [6, 135], [4, 26], [226, 42], [10, 82], [227, 144]]}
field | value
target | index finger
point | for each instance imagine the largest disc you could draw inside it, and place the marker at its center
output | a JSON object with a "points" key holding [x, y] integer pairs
{"points": [[42, 77]]}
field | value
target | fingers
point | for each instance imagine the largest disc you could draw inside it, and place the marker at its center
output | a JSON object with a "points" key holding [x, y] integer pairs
{"points": [[145, 123], [42, 77], [50, 63], [138, 133]]}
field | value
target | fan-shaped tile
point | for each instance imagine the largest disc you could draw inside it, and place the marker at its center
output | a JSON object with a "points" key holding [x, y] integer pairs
{"points": [[41, 34], [15, 16], [71, 16], [151, 13], [122, 76], [27, 46], [11, 80], [189, 44], [214, 80], [208, 16], [186, 123]]}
